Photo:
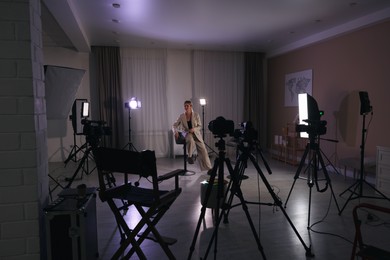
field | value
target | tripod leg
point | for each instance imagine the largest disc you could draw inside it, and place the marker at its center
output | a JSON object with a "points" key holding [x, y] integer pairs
{"points": [[51, 190], [70, 180], [350, 196], [326, 157], [72, 154], [236, 190], [76, 150], [212, 150], [279, 204], [85, 168], [376, 190], [204, 204], [238, 170], [309, 210], [259, 151], [296, 176], [326, 174]]}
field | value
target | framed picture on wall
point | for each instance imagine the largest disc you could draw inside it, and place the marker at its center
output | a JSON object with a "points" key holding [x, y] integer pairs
{"points": [[296, 83]]}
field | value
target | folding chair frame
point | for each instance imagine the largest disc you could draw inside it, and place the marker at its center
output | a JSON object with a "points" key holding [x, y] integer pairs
{"points": [[157, 202], [366, 251]]}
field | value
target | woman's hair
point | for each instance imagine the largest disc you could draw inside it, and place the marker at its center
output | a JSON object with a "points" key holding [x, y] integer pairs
{"points": [[188, 102]]}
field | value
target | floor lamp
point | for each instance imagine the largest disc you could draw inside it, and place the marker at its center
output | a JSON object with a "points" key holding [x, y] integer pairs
{"points": [[203, 103], [133, 103]]}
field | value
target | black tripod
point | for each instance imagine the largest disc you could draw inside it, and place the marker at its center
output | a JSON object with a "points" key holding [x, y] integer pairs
{"points": [[81, 166], [83, 162], [130, 144], [235, 189], [357, 188], [71, 157], [315, 159], [92, 142], [239, 170], [75, 150]]}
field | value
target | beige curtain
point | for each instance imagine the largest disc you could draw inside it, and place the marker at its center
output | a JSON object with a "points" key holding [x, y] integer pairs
{"points": [[144, 76]]}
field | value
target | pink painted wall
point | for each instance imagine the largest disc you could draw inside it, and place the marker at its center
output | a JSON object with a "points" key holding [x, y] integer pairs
{"points": [[342, 66]]}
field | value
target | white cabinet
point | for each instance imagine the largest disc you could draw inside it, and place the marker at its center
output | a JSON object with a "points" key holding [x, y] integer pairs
{"points": [[383, 170]]}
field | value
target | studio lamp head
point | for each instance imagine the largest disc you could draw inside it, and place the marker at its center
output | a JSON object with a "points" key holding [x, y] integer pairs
{"points": [[85, 109], [202, 102], [133, 103], [365, 106], [309, 117]]}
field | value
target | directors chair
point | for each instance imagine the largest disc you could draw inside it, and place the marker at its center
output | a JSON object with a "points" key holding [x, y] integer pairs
{"points": [[150, 202], [373, 243]]}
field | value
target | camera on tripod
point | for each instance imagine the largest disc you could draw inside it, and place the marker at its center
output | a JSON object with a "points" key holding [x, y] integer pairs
{"points": [[94, 130], [312, 128], [246, 134], [221, 127]]}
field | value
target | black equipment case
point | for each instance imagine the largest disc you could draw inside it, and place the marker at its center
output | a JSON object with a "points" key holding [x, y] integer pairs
{"points": [[71, 226]]}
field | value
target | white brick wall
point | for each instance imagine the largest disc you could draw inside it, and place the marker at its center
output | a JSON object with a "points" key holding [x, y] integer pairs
{"points": [[23, 144]]}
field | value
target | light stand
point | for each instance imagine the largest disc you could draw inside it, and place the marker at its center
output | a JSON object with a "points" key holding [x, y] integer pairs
{"points": [[313, 127], [80, 112], [75, 149], [134, 103], [203, 103], [357, 188], [315, 159]]}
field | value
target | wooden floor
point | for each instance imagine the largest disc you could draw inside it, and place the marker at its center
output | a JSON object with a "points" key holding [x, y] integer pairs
{"points": [[326, 235]]}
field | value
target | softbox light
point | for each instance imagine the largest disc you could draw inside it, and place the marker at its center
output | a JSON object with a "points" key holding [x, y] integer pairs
{"points": [[85, 109], [309, 116], [77, 115], [61, 85]]}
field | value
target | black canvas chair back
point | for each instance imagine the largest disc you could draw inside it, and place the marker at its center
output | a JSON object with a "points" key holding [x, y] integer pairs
{"points": [[126, 161], [149, 200]]}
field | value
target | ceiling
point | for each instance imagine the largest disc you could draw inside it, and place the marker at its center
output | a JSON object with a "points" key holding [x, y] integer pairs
{"points": [[270, 26]]}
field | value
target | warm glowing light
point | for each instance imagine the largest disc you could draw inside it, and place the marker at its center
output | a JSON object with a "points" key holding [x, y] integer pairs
{"points": [[202, 101], [133, 103]]}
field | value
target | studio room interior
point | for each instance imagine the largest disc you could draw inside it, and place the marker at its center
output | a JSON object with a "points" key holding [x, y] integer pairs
{"points": [[194, 130]]}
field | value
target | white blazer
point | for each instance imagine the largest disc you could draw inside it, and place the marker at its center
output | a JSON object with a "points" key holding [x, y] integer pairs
{"points": [[181, 125]]}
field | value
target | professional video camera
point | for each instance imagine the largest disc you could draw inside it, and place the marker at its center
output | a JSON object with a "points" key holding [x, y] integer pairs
{"points": [[221, 127], [313, 128], [247, 133], [94, 130]]}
